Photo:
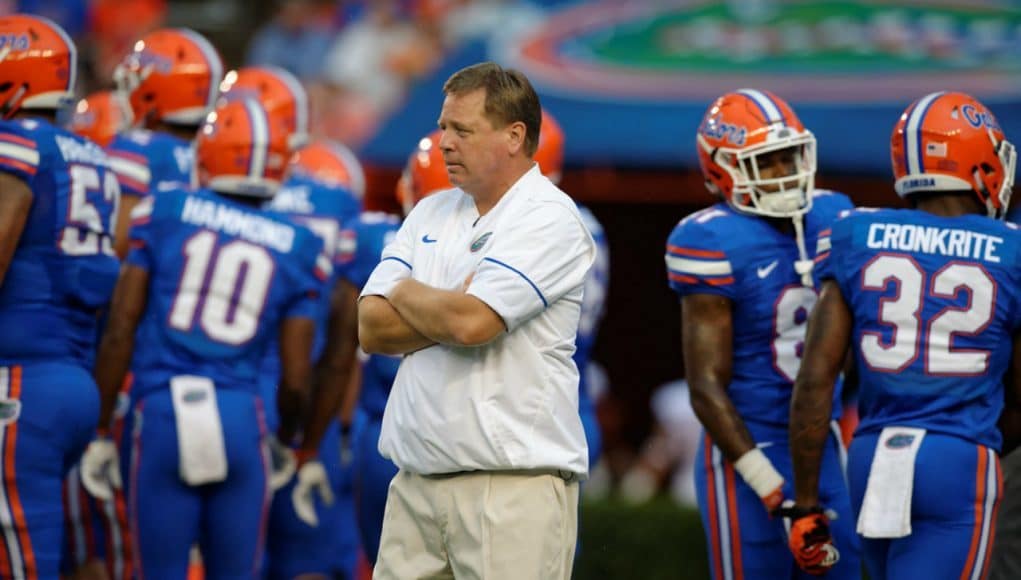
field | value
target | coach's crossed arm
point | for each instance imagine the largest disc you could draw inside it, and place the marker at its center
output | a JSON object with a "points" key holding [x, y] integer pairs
{"points": [[446, 316], [382, 330]]}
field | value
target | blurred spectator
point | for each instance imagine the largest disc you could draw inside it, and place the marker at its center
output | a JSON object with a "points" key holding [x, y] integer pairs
{"points": [[71, 15], [297, 39], [371, 63], [667, 457], [116, 25]]}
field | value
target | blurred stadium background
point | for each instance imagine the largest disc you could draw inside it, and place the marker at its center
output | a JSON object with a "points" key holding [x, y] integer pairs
{"points": [[628, 81]]}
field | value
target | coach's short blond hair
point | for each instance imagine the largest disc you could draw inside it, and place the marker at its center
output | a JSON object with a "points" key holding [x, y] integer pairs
{"points": [[509, 97]]}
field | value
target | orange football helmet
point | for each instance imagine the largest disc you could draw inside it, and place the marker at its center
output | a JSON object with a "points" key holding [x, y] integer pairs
{"points": [[952, 142], [279, 92], [100, 116], [241, 150], [740, 127], [426, 172], [172, 75], [332, 163], [38, 64], [550, 152]]}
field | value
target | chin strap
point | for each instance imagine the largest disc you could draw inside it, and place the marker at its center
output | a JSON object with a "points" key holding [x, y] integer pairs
{"points": [[803, 266]]}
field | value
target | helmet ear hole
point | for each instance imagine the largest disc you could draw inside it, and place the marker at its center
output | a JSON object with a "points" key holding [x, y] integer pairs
{"points": [[4, 87]]}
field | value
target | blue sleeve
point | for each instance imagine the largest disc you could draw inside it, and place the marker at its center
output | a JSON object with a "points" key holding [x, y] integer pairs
{"points": [[312, 273], [1014, 239], [828, 205], [368, 241], [832, 249], [141, 236], [131, 164], [19, 151], [696, 260]]}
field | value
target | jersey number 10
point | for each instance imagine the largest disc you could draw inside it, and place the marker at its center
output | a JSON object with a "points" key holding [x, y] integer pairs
{"points": [[239, 277]]}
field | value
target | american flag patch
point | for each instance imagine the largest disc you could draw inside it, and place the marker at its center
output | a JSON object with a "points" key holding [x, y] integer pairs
{"points": [[936, 149]]}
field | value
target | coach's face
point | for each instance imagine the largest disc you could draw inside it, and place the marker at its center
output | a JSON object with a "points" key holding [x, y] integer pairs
{"points": [[473, 149]]}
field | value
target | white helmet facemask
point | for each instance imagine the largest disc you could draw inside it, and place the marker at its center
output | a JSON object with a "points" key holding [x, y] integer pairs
{"points": [[783, 196], [786, 196]]}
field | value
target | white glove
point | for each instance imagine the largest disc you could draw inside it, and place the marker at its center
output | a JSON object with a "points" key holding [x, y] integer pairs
{"points": [[282, 463], [311, 479], [100, 469]]}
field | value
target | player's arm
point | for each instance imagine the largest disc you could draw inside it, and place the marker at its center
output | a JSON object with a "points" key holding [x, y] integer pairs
{"points": [[446, 316], [296, 336], [118, 342], [123, 225], [333, 371], [826, 345], [15, 204], [1010, 420], [707, 330]]}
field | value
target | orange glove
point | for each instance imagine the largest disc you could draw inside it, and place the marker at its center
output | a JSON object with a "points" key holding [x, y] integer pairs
{"points": [[809, 538]]}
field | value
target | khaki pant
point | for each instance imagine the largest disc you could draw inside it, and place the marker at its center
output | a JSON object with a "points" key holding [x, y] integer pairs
{"points": [[487, 525]]}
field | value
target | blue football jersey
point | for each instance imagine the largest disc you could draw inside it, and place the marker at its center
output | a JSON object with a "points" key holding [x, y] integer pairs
{"points": [[222, 277], [147, 162], [372, 232], [935, 306], [64, 268], [327, 212], [746, 259], [593, 305]]}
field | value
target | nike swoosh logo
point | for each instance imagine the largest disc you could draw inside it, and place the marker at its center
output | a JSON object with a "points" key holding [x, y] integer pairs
{"points": [[427, 240], [764, 271]]}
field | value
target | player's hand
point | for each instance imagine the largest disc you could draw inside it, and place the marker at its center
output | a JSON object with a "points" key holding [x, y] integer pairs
{"points": [[100, 469], [312, 479], [809, 537], [283, 463]]}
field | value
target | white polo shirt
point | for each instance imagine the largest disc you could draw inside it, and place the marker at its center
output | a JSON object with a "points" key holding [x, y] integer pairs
{"points": [[511, 403]]}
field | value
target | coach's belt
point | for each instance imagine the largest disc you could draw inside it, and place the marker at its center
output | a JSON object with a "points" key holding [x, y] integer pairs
{"points": [[564, 474]]}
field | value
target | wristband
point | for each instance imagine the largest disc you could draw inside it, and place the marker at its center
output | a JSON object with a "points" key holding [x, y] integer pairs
{"points": [[758, 472]]}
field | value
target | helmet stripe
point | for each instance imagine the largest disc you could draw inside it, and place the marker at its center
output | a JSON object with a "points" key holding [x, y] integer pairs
{"points": [[72, 50], [300, 97], [260, 138], [913, 132], [212, 59], [769, 108]]}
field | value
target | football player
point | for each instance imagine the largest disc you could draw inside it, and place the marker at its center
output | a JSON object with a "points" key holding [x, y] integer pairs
{"points": [[743, 270], [550, 157], [171, 81], [57, 270], [101, 116], [98, 543], [307, 520], [210, 280], [927, 299]]}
